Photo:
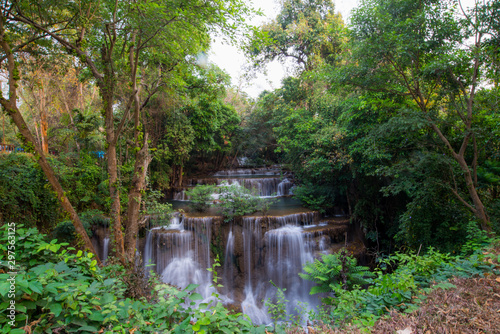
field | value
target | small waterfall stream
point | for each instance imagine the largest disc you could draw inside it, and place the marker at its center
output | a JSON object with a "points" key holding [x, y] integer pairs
{"points": [[105, 250]]}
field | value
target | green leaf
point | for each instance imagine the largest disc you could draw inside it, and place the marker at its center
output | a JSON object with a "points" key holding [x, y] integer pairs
{"points": [[191, 287], [17, 331], [55, 308], [88, 328], [96, 316], [196, 296], [107, 298], [36, 287]]}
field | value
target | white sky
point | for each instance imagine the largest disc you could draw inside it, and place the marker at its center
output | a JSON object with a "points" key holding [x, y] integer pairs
{"points": [[230, 59]]}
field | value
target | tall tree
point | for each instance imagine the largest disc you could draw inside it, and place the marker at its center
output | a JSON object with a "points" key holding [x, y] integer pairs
{"points": [[306, 31], [423, 51]]}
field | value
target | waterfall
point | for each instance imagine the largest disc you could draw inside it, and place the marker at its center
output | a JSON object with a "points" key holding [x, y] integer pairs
{"points": [[284, 187], [287, 253], [229, 273], [183, 252], [247, 171], [180, 196], [303, 218], [105, 249], [252, 246], [278, 255]]}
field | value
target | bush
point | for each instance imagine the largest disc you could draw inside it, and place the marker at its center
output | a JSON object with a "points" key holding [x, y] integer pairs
{"points": [[237, 201], [320, 198], [25, 194], [201, 197], [65, 230], [336, 271]]}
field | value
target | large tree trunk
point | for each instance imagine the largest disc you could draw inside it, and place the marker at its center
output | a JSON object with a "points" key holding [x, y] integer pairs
{"points": [[478, 209], [142, 160], [114, 185], [10, 105], [44, 126], [134, 199]]}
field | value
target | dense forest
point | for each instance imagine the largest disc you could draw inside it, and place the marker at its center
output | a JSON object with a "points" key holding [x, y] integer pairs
{"points": [[109, 109]]}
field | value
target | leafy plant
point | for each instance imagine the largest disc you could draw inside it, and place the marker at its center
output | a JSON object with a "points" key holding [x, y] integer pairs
{"points": [[335, 271], [400, 281], [236, 201], [200, 197], [277, 309]]}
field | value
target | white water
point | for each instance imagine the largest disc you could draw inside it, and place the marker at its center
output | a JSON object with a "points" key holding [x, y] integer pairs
{"points": [[105, 249], [263, 187], [229, 270], [181, 253]]}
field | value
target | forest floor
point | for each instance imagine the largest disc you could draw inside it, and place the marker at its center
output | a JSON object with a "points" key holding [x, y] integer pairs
{"points": [[472, 306]]}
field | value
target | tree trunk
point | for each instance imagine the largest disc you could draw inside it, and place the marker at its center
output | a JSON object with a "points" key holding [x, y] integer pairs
{"points": [[142, 160], [11, 107], [44, 126], [478, 209], [114, 190], [134, 199]]}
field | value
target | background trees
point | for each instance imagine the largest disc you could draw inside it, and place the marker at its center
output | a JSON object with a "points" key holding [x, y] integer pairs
{"points": [[131, 50], [396, 129]]}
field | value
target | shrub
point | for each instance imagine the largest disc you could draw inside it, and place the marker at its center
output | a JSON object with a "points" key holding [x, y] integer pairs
{"points": [[237, 201], [400, 281], [335, 271], [201, 197], [25, 194]]}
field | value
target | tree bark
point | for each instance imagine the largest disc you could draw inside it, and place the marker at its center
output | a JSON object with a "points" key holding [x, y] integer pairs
{"points": [[478, 209], [114, 191]]}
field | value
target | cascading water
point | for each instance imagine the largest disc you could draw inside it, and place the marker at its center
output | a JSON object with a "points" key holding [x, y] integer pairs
{"points": [[229, 266], [247, 171], [254, 249], [105, 249], [253, 256], [181, 252], [284, 187], [287, 253]]}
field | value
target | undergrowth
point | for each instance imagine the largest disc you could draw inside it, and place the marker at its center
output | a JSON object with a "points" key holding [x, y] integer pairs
{"points": [[401, 283]]}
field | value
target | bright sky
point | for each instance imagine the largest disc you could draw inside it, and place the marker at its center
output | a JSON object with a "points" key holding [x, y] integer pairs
{"points": [[230, 59]]}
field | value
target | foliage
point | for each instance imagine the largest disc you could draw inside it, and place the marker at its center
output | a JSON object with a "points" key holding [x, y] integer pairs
{"points": [[59, 289], [178, 139], [305, 31], [400, 281], [320, 198], [65, 230], [200, 197], [335, 271], [277, 309], [236, 201], [25, 195], [84, 177]]}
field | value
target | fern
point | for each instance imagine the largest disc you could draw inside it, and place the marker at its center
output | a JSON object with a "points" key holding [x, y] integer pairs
{"points": [[335, 270]]}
